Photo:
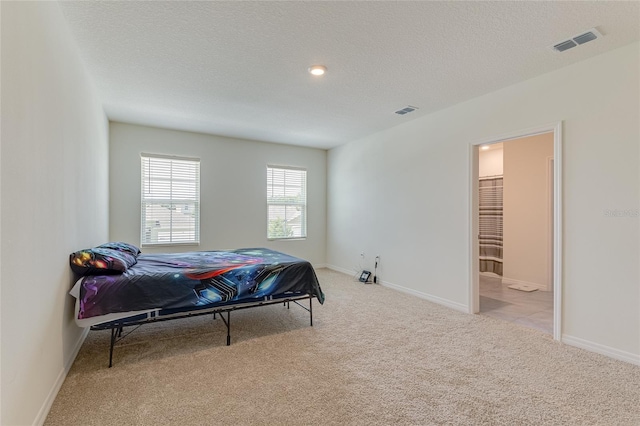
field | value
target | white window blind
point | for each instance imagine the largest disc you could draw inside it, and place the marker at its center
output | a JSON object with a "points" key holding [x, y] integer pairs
{"points": [[170, 200], [286, 202]]}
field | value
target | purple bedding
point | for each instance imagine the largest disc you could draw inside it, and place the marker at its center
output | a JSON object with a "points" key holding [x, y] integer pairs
{"points": [[195, 280]]}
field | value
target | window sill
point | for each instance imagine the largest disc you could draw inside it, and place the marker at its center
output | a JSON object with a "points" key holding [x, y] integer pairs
{"points": [[287, 239], [169, 245]]}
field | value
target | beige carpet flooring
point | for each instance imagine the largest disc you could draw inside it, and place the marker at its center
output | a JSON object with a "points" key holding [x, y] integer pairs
{"points": [[373, 356]]}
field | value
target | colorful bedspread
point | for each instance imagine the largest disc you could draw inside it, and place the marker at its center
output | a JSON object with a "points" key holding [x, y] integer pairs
{"points": [[197, 280]]}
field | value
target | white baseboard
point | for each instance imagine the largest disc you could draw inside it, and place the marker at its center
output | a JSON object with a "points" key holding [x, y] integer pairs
{"points": [[601, 349], [48, 402], [319, 265], [435, 299], [339, 269], [566, 339], [511, 281]]}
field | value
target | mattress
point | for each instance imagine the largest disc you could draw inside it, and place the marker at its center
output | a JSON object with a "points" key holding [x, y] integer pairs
{"points": [[179, 282]]}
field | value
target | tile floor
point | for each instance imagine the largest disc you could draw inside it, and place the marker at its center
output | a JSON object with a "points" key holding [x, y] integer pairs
{"points": [[534, 309]]}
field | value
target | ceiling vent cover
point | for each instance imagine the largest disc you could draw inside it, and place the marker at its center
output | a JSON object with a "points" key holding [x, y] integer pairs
{"points": [[583, 38], [406, 110], [574, 41], [565, 45]]}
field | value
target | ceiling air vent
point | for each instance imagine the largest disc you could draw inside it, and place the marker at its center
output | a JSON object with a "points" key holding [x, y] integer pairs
{"points": [[406, 110], [565, 45], [583, 38]]}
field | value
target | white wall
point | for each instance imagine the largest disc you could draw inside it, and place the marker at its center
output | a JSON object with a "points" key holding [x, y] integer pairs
{"points": [[404, 194], [490, 162], [526, 217], [54, 201], [233, 210]]}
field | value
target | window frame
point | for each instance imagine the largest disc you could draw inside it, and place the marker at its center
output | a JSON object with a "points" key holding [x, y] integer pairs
{"points": [[144, 202], [305, 204]]}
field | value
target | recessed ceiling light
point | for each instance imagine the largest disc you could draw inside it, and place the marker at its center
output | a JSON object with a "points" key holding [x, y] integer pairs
{"points": [[485, 147], [317, 69]]}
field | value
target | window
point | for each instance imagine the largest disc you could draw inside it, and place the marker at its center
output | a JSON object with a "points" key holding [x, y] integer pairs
{"points": [[286, 203], [170, 198]]}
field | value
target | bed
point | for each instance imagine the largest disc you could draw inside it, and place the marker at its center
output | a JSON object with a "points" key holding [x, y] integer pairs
{"points": [[121, 287]]}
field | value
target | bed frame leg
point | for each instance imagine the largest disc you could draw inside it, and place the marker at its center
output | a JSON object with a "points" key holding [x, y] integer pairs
{"points": [[311, 310], [287, 305], [114, 334], [228, 328]]}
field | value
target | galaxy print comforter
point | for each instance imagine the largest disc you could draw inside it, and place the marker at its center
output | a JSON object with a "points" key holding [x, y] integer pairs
{"points": [[193, 280]]}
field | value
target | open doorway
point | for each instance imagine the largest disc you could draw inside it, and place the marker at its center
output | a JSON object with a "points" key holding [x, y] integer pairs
{"points": [[515, 228], [515, 231]]}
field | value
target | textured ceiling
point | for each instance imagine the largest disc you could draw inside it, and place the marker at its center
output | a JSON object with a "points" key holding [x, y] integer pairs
{"points": [[240, 68]]}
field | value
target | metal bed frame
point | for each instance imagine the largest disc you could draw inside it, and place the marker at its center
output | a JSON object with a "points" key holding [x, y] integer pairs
{"points": [[117, 326]]}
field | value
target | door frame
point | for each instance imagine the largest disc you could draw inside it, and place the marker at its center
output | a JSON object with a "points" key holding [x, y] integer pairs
{"points": [[550, 204], [474, 264]]}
